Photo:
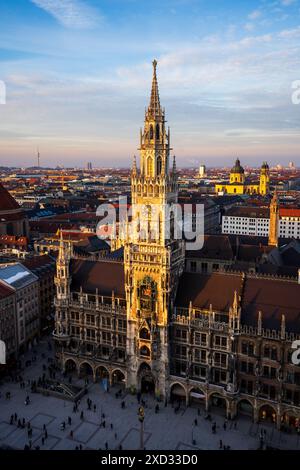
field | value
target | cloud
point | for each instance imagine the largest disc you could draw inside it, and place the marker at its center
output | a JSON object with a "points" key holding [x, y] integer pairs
{"points": [[254, 15], [287, 3], [70, 13]]}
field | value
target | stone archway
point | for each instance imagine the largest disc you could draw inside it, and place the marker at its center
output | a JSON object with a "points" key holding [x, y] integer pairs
{"points": [[118, 377], [196, 397], [146, 379], [86, 370], [102, 373], [218, 404], [267, 414], [245, 408], [178, 393], [70, 366], [290, 421], [102, 376]]}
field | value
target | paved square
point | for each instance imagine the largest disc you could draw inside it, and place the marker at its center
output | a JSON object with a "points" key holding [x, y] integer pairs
{"points": [[132, 439], [85, 431], [5, 430], [165, 430], [40, 419]]}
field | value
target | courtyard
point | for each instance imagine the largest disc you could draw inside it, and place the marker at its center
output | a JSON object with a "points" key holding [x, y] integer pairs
{"points": [[112, 420]]}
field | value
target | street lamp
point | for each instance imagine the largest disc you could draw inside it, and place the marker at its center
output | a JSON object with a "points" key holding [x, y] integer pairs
{"points": [[141, 415], [193, 439]]}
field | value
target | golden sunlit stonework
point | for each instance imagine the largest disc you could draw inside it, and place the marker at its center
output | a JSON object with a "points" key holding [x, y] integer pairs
{"points": [[148, 323], [238, 184], [153, 265]]}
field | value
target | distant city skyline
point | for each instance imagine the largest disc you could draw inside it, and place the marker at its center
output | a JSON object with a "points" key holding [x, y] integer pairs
{"points": [[78, 76]]}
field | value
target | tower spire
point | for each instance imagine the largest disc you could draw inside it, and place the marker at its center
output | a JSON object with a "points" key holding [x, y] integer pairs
{"points": [[274, 218], [154, 107]]}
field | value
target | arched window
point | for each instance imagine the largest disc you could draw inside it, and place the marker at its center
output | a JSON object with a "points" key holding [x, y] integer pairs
{"points": [[149, 166], [157, 132], [10, 229], [158, 169], [144, 334], [151, 132], [144, 351]]}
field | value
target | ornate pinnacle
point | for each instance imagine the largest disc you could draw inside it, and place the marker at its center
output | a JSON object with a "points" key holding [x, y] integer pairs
{"points": [[154, 107]]}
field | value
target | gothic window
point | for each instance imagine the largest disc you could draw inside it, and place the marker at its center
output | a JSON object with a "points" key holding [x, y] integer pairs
{"points": [[157, 131], [149, 166], [144, 351], [151, 132], [159, 165], [144, 333], [9, 229]]}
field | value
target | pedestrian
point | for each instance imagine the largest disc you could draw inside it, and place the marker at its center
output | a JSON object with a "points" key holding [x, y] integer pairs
{"points": [[95, 407], [11, 419], [195, 422], [111, 426], [69, 420], [43, 440], [221, 444], [225, 425], [116, 435], [71, 434], [46, 434], [81, 415], [106, 446]]}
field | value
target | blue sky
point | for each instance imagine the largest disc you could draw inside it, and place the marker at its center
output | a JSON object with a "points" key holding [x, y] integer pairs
{"points": [[78, 76]]}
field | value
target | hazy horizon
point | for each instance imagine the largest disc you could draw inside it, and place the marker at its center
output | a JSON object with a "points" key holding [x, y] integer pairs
{"points": [[78, 77]]}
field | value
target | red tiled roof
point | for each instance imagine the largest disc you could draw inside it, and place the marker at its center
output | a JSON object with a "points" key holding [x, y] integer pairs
{"points": [[107, 276], [274, 298], [205, 289], [289, 212], [247, 211], [7, 202], [13, 240], [38, 261]]}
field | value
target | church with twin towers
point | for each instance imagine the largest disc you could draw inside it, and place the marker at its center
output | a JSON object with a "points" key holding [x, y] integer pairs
{"points": [[144, 321]]}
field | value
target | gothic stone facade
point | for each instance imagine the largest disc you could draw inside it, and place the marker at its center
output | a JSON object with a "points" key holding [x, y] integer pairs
{"points": [[210, 339]]}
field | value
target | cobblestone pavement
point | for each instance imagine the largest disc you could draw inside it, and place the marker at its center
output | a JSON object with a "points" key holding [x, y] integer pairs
{"points": [[165, 430]]}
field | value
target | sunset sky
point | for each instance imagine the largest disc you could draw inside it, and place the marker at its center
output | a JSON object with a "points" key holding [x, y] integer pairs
{"points": [[78, 76]]}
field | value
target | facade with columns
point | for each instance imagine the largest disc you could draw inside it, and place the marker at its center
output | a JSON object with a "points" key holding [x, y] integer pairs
{"points": [[211, 340]]}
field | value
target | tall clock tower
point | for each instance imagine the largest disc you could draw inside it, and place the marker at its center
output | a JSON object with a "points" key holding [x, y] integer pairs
{"points": [[154, 254]]}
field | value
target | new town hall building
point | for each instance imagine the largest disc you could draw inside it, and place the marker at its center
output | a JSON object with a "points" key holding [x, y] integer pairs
{"points": [[220, 339]]}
